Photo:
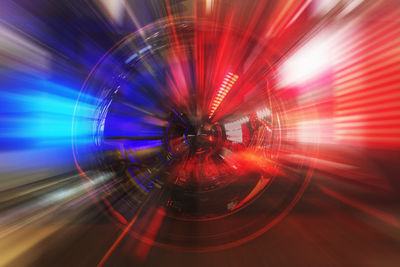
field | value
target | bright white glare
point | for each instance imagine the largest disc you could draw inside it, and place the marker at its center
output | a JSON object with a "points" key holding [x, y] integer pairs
{"points": [[322, 7], [208, 6], [234, 130], [114, 9], [307, 63], [261, 114]]}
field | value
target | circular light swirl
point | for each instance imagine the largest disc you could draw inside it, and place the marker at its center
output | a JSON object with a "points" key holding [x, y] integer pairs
{"points": [[195, 137]]}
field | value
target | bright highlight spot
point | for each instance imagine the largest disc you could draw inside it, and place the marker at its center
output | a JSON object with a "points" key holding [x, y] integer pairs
{"points": [[307, 63]]}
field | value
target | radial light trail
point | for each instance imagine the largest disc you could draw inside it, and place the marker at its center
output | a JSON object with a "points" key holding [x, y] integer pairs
{"points": [[224, 89]]}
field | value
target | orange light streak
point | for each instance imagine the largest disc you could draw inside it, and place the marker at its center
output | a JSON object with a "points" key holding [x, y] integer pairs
{"points": [[224, 89]]}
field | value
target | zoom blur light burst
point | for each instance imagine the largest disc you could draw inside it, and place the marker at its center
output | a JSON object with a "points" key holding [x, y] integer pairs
{"points": [[200, 133], [182, 157]]}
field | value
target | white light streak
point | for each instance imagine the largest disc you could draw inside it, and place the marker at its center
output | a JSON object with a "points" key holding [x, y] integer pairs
{"points": [[209, 4]]}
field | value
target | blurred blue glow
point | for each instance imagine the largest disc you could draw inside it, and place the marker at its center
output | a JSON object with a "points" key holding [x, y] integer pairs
{"points": [[37, 113]]}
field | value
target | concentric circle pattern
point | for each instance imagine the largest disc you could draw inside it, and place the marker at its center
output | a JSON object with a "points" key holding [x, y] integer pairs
{"points": [[195, 138]]}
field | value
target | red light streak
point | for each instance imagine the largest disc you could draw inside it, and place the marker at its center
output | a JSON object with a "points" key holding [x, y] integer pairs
{"points": [[122, 235], [387, 218], [152, 228], [284, 15]]}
